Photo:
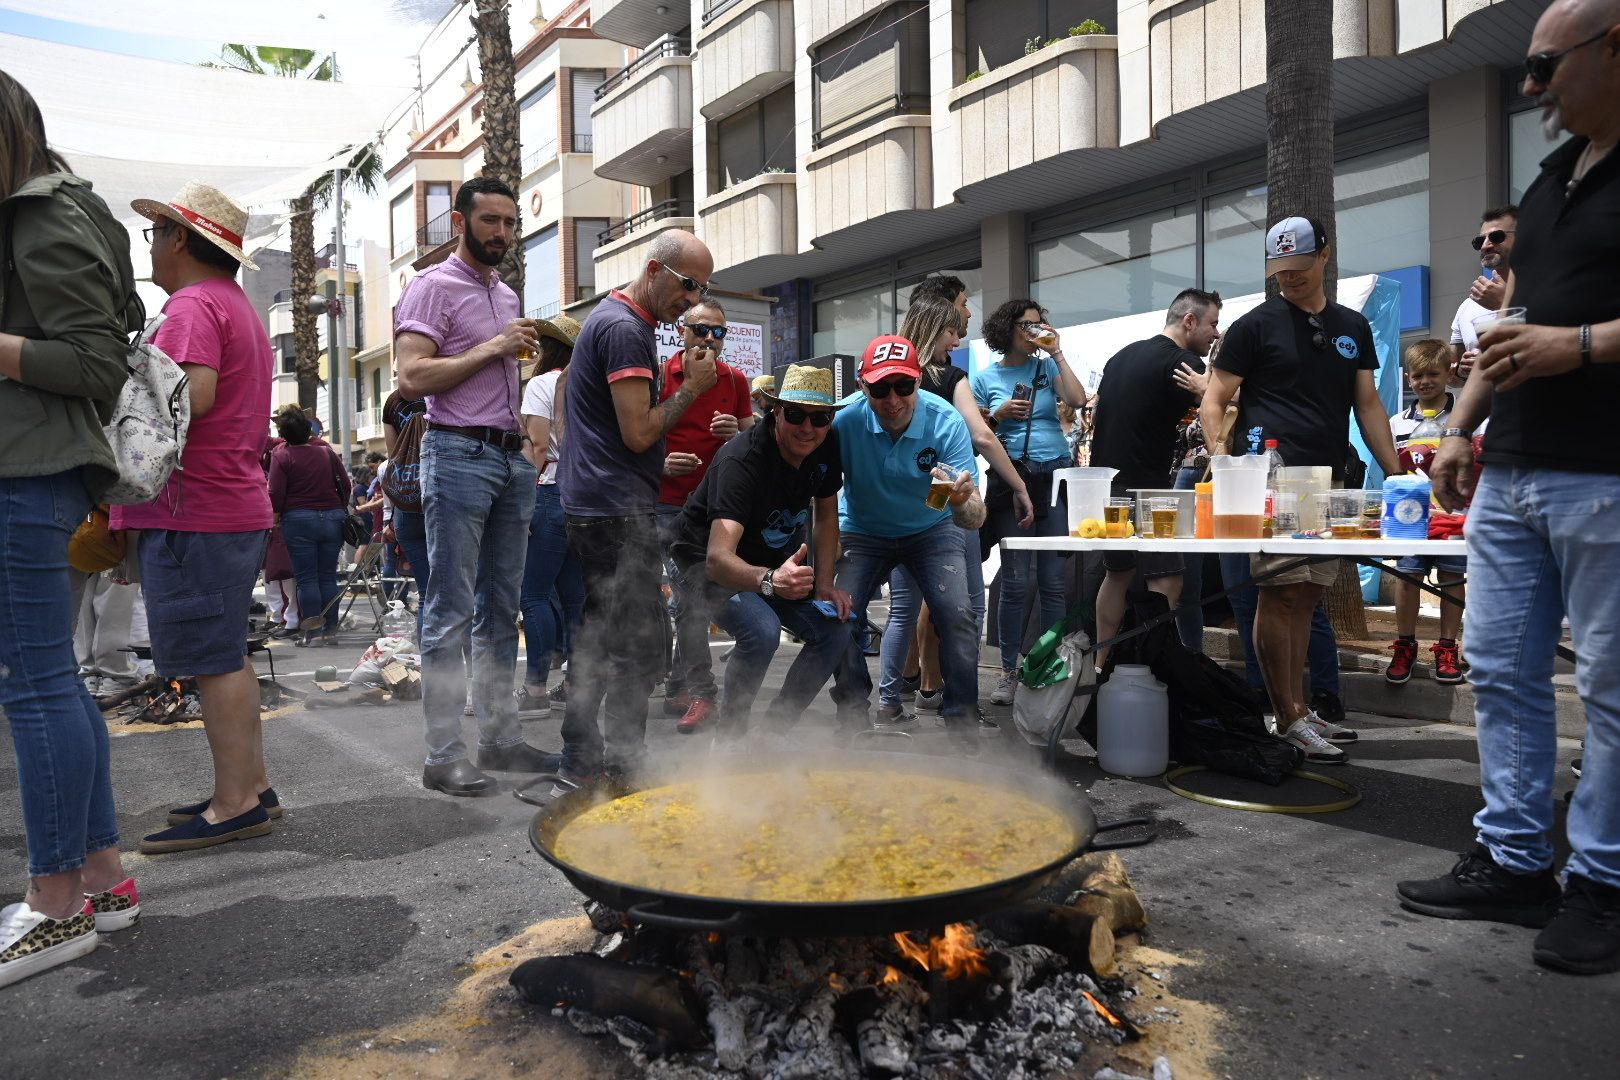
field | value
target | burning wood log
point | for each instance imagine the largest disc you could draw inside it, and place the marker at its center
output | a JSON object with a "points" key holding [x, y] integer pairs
{"points": [[651, 996], [1085, 940], [880, 1022], [1018, 966], [129, 693], [1105, 891]]}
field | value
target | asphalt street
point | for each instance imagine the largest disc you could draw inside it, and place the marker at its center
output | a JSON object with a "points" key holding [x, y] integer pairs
{"points": [[360, 908]]}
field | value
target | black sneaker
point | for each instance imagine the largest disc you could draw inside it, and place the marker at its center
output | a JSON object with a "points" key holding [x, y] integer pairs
{"points": [[1584, 937], [1328, 707], [531, 705], [559, 693], [1478, 888], [891, 717], [1575, 767]]}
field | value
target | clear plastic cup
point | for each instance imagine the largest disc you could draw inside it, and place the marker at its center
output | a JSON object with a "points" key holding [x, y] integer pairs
{"points": [[1285, 513], [1344, 514], [1117, 518], [941, 482], [1510, 316], [1164, 517]]}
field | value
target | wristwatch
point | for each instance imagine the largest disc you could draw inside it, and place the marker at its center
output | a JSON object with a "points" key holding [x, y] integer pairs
{"points": [[767, 587], [1457, 433]]}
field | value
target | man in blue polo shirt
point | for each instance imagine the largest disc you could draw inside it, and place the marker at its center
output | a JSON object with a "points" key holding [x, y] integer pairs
{"points": [[891, 438]]}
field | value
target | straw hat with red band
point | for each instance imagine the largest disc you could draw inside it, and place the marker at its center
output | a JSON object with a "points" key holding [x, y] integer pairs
{"points": [[206, 211], [889, 355]]}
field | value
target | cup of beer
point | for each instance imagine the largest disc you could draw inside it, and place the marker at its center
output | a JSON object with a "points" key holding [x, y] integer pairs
{"points": [[1162, 513], [1510, 316], [941, 482]]}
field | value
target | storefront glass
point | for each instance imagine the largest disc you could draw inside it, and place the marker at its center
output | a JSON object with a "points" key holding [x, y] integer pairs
{"points": [[1136, 264]]}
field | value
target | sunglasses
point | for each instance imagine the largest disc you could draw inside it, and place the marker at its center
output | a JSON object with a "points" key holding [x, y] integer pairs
{"points": [[1495, 236], [819, 418], [1318, 339], [689, 284], [903, 387], [1541, 66], [705, 330]]}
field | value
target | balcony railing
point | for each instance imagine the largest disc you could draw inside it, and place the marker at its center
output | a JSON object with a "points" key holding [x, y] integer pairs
{"points": [[545, 311], [666, 48], [901, 104], [625, 226], [324, 260], [716, 8], [583, 142], [438, 231], [283, 297], [547, 151]]}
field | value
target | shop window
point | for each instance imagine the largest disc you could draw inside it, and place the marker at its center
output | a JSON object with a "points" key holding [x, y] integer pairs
{"points": [[1131, 265]]}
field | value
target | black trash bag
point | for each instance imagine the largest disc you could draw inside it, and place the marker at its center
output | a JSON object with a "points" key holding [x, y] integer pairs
{"points": [[1215, 719]]}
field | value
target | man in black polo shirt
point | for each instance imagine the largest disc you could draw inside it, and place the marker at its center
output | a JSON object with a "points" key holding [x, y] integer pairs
{"points": [[1544, 524], [738, 570], [1146, 390], [1304, 364]]}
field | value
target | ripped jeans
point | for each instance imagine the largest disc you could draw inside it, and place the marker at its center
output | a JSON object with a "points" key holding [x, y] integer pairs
{"points": [[935, 560]]}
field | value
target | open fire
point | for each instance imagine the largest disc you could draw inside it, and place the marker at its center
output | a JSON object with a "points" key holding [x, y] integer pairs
{"points": [[955, 953]]}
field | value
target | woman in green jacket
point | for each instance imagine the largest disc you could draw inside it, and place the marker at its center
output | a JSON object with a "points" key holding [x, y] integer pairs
{"points": [[64, 286]]}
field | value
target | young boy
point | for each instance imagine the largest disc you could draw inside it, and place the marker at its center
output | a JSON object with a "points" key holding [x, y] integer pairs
{"points": [[1426, 364]]}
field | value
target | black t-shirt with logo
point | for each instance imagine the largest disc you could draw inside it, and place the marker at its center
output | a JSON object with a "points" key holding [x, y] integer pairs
{"points": [[1139, 407], [1565, 273], [1293, 391], [750, 482]]}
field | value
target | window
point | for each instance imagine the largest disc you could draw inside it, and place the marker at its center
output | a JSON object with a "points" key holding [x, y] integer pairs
{"points": [[876, 69], [586, 83], [844, 324], [756, 139], [1130, 265], [537, 125], [402, 224], [1381, 206], [542, 285], [1234, 230], [586, 230], [996, 30], [376, 394], [436, 196], [1526, 146]]}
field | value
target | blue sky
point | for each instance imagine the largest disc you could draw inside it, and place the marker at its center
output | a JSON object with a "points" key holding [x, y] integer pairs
{"points": [[153, 46]]}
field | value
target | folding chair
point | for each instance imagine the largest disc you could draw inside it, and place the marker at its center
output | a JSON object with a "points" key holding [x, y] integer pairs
{"points": [[366, 573]]}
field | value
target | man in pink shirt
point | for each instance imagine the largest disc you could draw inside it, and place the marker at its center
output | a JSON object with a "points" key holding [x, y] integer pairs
{"points": [[201, 542]]}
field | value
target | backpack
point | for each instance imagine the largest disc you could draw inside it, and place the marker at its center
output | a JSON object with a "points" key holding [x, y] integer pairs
{"points": [[402, 483], [147, 431]]}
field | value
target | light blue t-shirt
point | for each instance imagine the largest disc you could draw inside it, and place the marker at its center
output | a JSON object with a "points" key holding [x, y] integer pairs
{"points": [[886, 480], [994, 385]]}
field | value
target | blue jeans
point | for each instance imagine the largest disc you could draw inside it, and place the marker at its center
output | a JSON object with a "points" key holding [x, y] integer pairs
{"points": [[1321, 652], [411, 532], [669, 518], [619, 654], [1190, 615], [1016, 585], [934, 558], [904, 609], [553, 590], [1543, 544], [63, 770], [756, 623], [477, 501], [314, 540]]}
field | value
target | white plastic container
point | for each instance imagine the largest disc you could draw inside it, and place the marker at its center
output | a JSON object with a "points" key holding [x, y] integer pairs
{"points": [[1240, 495], [1133, 722], [1087, 493]]}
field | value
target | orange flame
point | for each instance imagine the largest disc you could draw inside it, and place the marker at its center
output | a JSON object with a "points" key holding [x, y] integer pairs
{"points": [[891, 975], [956, 953], [714, 938], [1103, 1010]]}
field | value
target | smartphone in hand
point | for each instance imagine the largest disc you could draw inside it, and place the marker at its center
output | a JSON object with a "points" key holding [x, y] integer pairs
{"points": [[1022, 392]]}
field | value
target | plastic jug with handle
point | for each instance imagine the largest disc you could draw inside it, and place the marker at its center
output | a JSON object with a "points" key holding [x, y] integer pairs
{"points": [[1240, 495], [1087, 493], [1133, 722]]}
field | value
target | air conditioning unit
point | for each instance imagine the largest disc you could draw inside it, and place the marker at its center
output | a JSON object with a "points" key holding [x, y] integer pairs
{"points": [[841, 365]]}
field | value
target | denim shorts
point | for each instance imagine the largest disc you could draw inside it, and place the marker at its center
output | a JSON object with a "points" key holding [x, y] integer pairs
{"points": [[198, 589], [1422, 564]]}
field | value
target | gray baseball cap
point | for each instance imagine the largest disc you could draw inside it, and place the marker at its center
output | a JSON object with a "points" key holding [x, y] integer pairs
{"points": [[1293, 244]]}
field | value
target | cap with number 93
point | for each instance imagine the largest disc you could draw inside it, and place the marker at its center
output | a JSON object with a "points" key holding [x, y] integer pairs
{"points": [[889, 355]]}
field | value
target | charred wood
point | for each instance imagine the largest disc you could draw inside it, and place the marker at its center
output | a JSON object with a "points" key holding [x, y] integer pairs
{"points": [[650, 996]]}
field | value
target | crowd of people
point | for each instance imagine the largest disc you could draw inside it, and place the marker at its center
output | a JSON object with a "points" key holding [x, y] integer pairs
{"points": [[616, 506]]}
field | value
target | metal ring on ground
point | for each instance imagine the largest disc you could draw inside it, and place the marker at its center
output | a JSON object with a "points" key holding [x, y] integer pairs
{"points": [[1267, 808]]}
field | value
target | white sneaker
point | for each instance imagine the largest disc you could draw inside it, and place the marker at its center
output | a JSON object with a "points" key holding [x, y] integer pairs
{"points": [[930, 701], [1005, 687], [1316, 748], [30, 942], [1334, 733]]}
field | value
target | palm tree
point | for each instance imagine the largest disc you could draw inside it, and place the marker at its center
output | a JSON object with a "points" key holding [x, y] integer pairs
{"points": [[503, 155]]}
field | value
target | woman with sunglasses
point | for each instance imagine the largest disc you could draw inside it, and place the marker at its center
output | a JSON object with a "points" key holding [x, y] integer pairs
{"points": [[1022, 393], [936, 326]]}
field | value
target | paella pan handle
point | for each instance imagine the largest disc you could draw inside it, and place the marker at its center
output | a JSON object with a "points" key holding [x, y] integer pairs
{"points": [[1125, 842], [652, 912]]}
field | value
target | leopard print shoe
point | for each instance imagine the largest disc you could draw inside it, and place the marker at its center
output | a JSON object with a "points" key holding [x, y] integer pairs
{"points": [[30, 942], [115, 909]]}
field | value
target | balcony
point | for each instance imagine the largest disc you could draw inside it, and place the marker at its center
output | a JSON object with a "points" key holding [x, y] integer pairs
{"points": [[747, 48], [1062, 98], [828, 19], [642, 119], [754, 219], [883, 168], [438, 231], [368, 425], [638, 22], [621, 249]]}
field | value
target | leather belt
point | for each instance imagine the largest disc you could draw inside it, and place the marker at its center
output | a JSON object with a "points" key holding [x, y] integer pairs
{"points": [[496, 437]]}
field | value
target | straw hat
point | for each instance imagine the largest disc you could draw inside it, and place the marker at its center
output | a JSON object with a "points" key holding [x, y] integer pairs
{"points": [[805, 385], [763, 383], [206, 211], [558, 328]]}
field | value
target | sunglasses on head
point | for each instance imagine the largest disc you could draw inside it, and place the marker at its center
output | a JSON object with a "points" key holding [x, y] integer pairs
{"points": [[689, 284], [903, 387], [1318, 339], [1541, 66], [1495, 236], [794, 415], [705, 330]]}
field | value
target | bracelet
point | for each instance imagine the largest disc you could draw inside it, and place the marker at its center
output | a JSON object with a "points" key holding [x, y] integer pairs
{"points": [[1456, 433], [1586, 345]]}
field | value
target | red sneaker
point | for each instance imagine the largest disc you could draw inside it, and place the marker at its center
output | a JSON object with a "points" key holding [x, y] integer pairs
{"points": [[1400, 668], [697, 714], [1447, 663]]}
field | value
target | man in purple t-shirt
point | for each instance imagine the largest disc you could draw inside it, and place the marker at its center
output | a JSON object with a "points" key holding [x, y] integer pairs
{"points": [[202, 540], [612, 461], [457, 332]]}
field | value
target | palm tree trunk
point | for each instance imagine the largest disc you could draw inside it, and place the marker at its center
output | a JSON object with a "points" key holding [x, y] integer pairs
{"points": [[306, 338], [503, 155]]}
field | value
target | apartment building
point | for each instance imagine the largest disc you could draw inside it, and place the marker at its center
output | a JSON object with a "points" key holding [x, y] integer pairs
{"points": [[1098, 155]]}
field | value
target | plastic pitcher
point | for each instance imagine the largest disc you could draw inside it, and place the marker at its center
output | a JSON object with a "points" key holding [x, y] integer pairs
{"points": [[1240, 495], [1305, 481], [1133, 722], [1087, 493]]}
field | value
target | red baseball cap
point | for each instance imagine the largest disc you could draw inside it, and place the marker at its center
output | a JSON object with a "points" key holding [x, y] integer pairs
{"points": [[888, 355]]}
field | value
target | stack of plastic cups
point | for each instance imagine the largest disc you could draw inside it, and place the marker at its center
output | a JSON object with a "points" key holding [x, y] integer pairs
{"points": [[1406, 507]]}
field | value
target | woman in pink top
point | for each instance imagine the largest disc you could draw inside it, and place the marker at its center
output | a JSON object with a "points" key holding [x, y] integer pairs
{"points": [[309, 489]]}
